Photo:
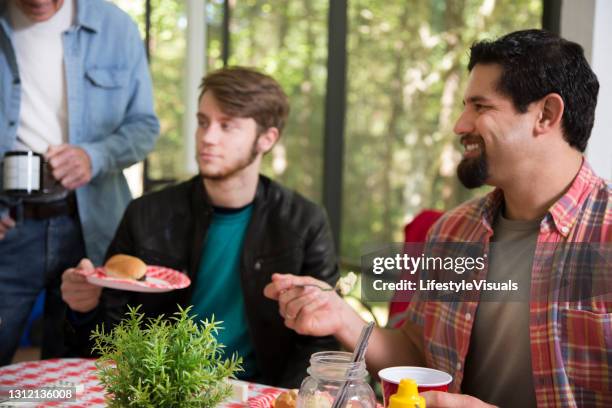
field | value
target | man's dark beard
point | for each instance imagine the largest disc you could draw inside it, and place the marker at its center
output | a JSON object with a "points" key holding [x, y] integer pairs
{"points": [[473, 172]]}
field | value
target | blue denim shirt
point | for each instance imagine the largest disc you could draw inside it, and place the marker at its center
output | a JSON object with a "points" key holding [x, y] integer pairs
{"points": [[110, 109]]}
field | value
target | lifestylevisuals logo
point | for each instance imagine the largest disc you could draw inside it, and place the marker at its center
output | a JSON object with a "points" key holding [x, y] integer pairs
{"points": [[495, 271]]}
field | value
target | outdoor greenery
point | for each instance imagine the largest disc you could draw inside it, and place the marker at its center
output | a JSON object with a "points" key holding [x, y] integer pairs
{"points": [[406, 74], [407, 71], [173, 362]]}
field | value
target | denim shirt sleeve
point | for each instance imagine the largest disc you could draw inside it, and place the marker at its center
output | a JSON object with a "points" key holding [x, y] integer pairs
{"points": [[128, 118]]}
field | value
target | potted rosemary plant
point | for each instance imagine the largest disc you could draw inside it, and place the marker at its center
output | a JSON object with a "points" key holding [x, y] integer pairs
{"points": [[160, 362]]}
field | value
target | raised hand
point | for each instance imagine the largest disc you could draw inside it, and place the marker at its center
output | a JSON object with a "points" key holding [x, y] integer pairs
{"points": [[307, 308]]}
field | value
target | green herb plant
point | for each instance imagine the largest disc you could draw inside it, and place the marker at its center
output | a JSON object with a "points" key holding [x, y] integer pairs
{"points": [[163, 362]]}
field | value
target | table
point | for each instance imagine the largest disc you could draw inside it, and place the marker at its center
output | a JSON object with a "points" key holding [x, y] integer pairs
{"points": [[81, 373]]}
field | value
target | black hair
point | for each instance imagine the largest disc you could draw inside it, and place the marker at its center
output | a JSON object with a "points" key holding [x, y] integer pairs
{"points": [[536, 63]]}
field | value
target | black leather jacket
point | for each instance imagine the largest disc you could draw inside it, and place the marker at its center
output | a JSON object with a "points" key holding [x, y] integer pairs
{"points": [[286, 234]]}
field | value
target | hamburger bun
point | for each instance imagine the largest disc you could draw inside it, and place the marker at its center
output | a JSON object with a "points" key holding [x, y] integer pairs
{"points": [[286, 399], [125, 267]]}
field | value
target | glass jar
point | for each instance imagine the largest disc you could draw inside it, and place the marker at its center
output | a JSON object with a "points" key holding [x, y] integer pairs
{"points": [[328, 371]]}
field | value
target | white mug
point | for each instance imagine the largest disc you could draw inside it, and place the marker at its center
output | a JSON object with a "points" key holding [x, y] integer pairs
{"points": [[23, 172]]}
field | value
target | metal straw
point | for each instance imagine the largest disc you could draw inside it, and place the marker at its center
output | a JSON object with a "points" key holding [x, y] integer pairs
{"points": [[358, 355]]}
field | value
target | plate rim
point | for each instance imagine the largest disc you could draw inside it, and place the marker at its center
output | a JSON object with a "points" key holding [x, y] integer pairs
{"points": [[132, 285]]}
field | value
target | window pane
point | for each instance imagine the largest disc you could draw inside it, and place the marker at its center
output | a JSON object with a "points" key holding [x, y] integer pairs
{"points": [[288, 40], [407, 72], [214, 34], [168, 44], [167, 59]]}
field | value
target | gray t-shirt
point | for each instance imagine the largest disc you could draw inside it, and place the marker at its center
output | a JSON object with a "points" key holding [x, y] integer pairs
{"points": [[498, 365]]}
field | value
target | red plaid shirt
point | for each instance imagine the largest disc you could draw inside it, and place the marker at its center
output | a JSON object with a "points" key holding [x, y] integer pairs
{"points": [[571, 339]]}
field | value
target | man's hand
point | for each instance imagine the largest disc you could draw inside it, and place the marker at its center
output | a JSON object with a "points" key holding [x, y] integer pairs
{"points": [[70, 165], [6, 223], [80, 295], [438, 399], [307, 310]]}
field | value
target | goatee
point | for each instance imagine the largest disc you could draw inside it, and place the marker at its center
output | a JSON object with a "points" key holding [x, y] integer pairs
{"points": [[473, 172]]}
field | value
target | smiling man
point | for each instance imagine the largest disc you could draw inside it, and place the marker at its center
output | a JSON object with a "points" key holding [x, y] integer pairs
{"points": [[528, 112], [228, 229]]}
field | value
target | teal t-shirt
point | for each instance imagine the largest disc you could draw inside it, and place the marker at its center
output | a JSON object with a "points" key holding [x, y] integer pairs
{"points": [[218, 290]]}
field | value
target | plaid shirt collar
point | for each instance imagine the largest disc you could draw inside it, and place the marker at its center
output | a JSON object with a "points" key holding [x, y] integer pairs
{"points": [[562, 214]]}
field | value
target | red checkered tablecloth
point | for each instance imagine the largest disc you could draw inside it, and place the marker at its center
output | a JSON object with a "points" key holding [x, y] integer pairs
{"points": [[81, 372]]}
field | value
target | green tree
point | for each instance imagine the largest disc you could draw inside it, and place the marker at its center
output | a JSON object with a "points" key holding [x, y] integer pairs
{"points": [[406, 77]]}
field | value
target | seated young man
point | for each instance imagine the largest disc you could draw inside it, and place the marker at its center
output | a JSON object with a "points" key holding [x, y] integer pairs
{"points": [[528, 112], [229, 229]]}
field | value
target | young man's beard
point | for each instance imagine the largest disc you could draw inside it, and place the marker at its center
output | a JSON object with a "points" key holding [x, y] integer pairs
{"points": [[473, 172], [241, 164]]}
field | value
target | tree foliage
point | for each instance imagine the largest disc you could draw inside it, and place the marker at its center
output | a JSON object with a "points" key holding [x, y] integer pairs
{"points": [[406, 74]]}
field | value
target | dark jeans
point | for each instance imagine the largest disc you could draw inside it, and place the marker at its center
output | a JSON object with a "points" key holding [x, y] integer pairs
{"points": [[33, 256]]}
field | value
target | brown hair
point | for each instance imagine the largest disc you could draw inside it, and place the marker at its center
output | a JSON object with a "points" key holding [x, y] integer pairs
{"points": [[245, 93]]}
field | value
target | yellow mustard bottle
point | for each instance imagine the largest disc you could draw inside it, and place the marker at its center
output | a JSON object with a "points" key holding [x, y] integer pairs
{"points": [[407, 396]]}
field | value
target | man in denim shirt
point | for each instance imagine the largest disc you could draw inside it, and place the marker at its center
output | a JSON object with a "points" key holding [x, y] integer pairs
{"points": [[74, 86]]}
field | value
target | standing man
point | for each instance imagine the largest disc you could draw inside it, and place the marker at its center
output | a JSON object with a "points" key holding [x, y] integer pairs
{"points": [[528, 112], [229, 229], [75, 87]]}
